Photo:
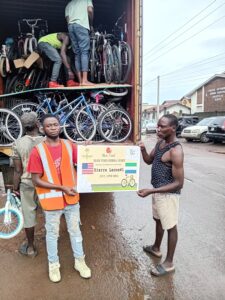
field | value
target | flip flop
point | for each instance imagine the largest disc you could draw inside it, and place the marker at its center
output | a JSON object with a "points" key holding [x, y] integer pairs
{"points": [[149, 250], [24, 250], [159, 270]]}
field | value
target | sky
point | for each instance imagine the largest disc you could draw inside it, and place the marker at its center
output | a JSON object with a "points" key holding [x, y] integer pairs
{"points": [[183, 44]]}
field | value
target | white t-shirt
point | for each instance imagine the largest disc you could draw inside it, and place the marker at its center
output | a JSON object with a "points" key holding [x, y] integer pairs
{"points": [[76, 11]]}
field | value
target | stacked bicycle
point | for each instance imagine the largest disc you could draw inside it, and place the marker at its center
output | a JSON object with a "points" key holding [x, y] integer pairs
{"points": [[84, 118], [110, 56]]}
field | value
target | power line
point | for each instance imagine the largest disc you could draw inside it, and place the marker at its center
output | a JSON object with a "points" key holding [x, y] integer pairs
{"points": [[186, 39], [188, 28], [195, 64], [182, 26]]}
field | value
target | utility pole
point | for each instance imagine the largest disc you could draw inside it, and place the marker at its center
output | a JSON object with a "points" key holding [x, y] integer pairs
{"points": [[158, 86]]}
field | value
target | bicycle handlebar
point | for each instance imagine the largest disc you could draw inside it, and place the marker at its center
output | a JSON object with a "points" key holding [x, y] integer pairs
{"points": [[29, 21]]}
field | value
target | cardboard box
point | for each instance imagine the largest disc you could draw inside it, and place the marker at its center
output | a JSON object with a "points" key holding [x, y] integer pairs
{"points": [[28, 62], [31, 59], [19, 63]]}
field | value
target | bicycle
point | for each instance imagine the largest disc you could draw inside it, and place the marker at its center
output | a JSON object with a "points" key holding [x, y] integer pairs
{"points": [[128, 181], [10, 127], [73, 122], [30, 43], [95, 61], [125, 53], [11, 217]]}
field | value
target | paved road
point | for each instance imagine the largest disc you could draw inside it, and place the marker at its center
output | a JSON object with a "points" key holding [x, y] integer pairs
{"points": [[116, 226]]}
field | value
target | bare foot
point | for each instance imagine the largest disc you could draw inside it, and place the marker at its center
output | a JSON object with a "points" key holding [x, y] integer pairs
{"points": [[87, 83]]}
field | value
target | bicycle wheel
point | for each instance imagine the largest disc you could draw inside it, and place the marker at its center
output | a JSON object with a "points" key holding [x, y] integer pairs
{"points": [[93, 62], [115, 125], [124, 182], [96, 110], [108, 63], [25, 46], [85, 124], [70, 129], [20, 48], [32, 44], [11, 85], [126, 61], [3, 71], [117, 67], [27, 107], [132, 182], [10, 127], [13, 227], [120, 92]]}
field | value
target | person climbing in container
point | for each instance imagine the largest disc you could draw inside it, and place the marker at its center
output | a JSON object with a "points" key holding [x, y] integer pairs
{"points": [[79, 16], [50, 45]]}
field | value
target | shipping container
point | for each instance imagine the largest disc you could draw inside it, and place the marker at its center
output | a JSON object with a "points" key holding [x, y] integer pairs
{"points": [[106, 12]]}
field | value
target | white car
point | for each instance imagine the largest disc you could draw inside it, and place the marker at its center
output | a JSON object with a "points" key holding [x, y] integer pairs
{"points": [[198, 131], [151, 127]]}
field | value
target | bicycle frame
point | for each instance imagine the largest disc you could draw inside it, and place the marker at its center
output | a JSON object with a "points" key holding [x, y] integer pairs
{"points": [[80, 100]]}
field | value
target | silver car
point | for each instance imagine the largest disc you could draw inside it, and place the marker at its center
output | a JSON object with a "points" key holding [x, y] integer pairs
{"points": [[198, 131]]}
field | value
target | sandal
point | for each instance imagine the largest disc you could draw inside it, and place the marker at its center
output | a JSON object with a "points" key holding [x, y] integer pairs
{"points": [[149, 249], [159, 270], [27, 251]]}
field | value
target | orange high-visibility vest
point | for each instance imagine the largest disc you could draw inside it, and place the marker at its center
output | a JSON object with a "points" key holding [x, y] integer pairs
{"points": [[51, 199]]}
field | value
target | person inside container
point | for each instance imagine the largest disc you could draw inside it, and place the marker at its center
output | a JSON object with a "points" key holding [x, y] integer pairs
{"points": [[79, 16], [50, 45], [167, 180], [51, 164]]}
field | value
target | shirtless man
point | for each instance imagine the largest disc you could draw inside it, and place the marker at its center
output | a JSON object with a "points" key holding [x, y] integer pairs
{"points": [[167, 180]]}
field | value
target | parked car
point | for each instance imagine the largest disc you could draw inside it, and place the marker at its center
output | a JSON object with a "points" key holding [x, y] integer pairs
{"points": [[185, 121], [198, 131], [151, 127], [216, 131]]}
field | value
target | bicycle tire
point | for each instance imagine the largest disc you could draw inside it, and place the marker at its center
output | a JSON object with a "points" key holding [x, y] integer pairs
{"points": [[124, 182], [24, 107], [85, 124], [32, 44], [97, 110], [10, 127], [115, 125], [11, 85], [3, 71], [11, 230], [93, 62], [117, 66], [132, 183], [25, 46], [126, 61], [70, 129], [108, 63], [20, 48], [37, 80], [119, 93]]}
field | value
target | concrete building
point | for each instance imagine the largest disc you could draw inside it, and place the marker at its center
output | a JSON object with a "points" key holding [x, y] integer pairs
{"points": [[209, 97], [167, 107]]}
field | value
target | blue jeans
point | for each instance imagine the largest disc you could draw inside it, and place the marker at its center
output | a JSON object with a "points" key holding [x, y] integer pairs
{"points": [[54, 56], [52, 222], [80, 40]]}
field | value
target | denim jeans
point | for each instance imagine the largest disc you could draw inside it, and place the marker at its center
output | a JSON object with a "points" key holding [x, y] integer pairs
{"points": [[80, 40], [52, 223], [54, 56]]}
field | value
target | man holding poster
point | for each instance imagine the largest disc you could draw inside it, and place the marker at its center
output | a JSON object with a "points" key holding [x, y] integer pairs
{"points": [[167, 180]]}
